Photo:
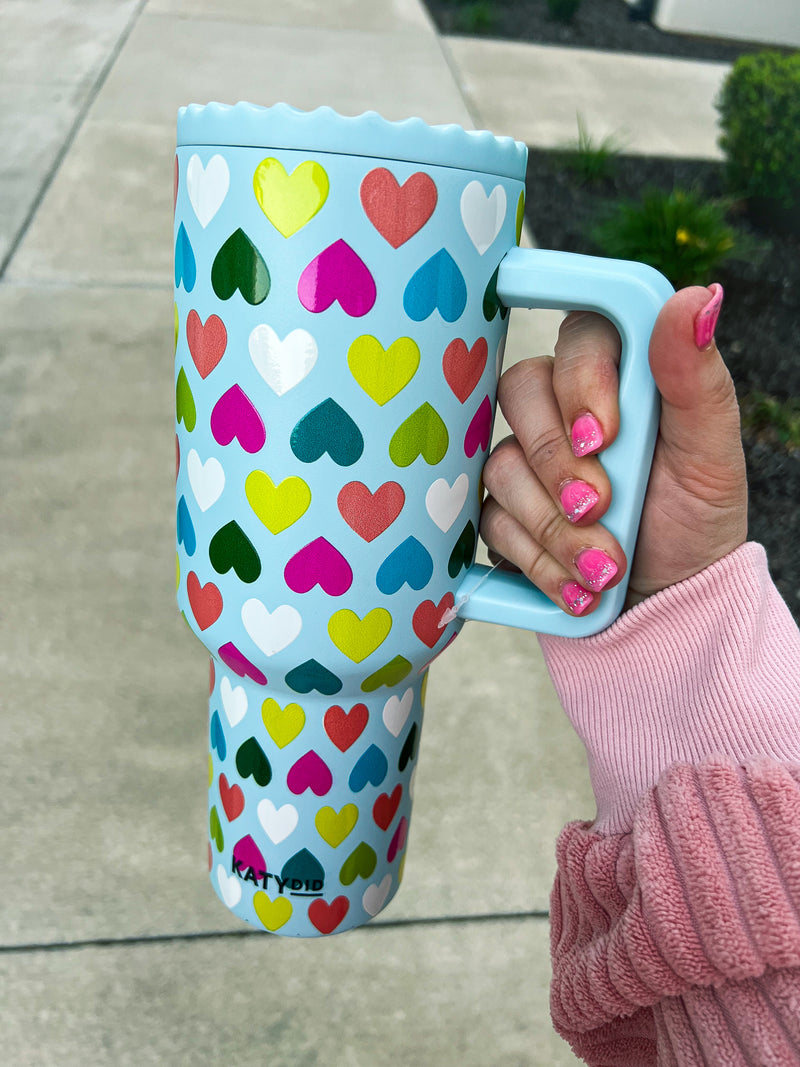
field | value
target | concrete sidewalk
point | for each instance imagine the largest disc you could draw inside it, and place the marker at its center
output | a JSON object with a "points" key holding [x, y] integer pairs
{"points": [[113, 949]]}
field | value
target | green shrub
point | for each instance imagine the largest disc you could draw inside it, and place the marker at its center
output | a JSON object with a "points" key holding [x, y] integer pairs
{"points": [[759, 107], [678, 233], [475, 17], [563, 10], [591, 160]]}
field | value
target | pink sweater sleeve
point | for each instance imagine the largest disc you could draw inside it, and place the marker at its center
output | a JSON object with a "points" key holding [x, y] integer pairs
{"points": [[676, 914]]}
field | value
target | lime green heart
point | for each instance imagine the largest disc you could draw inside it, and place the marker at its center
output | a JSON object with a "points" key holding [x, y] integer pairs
{"points": [[184, 402], [273, 914], [520, 214], [358, 638], [290, 200], [360, 863], [283, 724], [422, 434], [277, 506], [390, 674], [334, 826], [383, 373], [216, 829]]}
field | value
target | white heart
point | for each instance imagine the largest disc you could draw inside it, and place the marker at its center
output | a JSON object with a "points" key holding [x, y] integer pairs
{"points": [[234, 701], [229, 886], [396, 710], [207, 186], [278, 823], [206, 479], [282, 364], [375, 895], [444, 501], [483, 215], [271, 631]]}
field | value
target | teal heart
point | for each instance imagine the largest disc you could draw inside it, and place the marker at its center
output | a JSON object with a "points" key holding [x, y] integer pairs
{"points": [[215, 829], [437, 284], [251, 759], [186, 534], [463, 551], [424, 434], [371, 769], [302, 871], [218, 736], [361, 862], [239, 265], [184, 402], [230, 547], [312, 675], [390, 674], [185, 263], [327, 428], [409, 749], [491, 301], [410, 562]]}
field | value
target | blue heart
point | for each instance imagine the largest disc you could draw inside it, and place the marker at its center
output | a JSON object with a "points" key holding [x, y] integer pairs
{"points": [[437, 283], [185, 263], [186, 534], [312, 675], [410, 562], [372, 767], [327, 428], [217, 736]]}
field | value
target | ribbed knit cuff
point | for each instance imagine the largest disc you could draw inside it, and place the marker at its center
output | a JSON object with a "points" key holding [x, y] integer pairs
{"points": [[710, 666]]}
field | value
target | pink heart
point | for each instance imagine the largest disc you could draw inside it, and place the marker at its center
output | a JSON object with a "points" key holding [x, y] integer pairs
{"points": [[318, 563], [246, 853], [337, 273], [479, 430], [310, 772], [239, 664], [235, 416], [399, 839]]}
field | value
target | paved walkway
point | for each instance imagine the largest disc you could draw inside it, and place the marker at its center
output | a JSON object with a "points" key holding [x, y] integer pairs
{"points": [[113, 949]]}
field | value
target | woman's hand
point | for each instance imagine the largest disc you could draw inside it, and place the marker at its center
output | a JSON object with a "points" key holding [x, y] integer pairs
{"points": [[548, 491]]}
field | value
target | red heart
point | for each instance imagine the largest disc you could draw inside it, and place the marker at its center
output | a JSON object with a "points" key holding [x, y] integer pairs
{"points": [[205, 601], [369, 514], [463, 367], [385, 807], [398, 211], [326, 917], [207, 343], [232, 798], [344, 728], [427, 618]]}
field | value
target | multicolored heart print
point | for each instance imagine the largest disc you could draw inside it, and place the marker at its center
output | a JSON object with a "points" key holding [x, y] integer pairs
{"points": [[334, 391]]}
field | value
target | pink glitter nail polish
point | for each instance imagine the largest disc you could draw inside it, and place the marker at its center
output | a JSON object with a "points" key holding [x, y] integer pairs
{"points": [[596, 567], [706, 322], [587, 435], [577, 498], [576, 597]]}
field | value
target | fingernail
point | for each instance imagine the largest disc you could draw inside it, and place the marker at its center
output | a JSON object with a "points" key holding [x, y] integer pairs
{"points": [[577, 498], [596, 567], [706, 322], [576, 597], [587, 435]]}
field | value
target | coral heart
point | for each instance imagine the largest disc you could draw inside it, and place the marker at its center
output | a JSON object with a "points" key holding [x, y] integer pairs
{"points": [[310, 772], [444, 502], [427, 619], [424, 434], [278, 823], [326, 917], [358, 638], [463, 551], [290, 200], [383, 372], [239, 664], [229, 548], [370, 514], [239, 265], [207, 186], [337, 273], [207, 343], [361, 862], [185, 409], [438, 284], [333, 827], [252, 760], [282, 364], [390, 674], [206, 479], [371, 769], [385, 807], [398, 211], [483, 215], [464, 366], [235, 416], [312, 675], [318, 563], [232, 799], [344, 728], [185, 263], [283, 724], [205, 601], [277, 506], [273, 914], [185, 527], [409, 562], [327, 428], [271, 631], [479, 431], [399, 839]]}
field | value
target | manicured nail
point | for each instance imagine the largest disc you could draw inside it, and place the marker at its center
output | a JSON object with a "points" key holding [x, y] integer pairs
{"points": [[706, 321], [587, 435], [576, 597], [577, 498], [597, 568]]}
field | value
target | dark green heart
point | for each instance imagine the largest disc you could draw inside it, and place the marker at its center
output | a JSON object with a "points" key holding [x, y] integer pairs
{"points": [[250, 759], [391, 674], [361, 862], [216, 829], [239, 265], [327, 428], [422, 434], [491, 301], [231, 547], [409, 749], [303, 867], [184, 402], [463, 551]]}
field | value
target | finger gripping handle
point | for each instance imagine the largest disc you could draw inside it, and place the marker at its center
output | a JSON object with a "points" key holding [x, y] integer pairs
{"points": [[631, 296]]}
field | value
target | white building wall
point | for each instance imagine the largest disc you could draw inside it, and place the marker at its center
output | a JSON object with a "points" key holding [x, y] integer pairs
{"points": [[768, 21]]}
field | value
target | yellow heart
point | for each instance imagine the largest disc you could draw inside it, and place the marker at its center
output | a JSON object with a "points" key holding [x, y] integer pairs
{"points": [[273, 913], [358, 638], [333, 827], [283, 724], [383, 373], [278, 506], [290, 200]]}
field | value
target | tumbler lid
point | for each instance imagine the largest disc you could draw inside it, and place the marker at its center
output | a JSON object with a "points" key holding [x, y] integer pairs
{"points": [[324, 130]]}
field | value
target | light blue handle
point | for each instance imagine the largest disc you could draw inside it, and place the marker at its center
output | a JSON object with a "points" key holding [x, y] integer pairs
{"points": [[631, 296]]}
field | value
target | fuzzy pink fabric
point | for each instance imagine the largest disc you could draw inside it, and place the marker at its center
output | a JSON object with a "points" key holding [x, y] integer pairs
{"points": [[676, 914]]}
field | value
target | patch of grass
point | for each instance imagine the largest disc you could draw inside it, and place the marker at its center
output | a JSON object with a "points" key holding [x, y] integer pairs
{"points": [[477, 16], [767, 417], [591, 160]]}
